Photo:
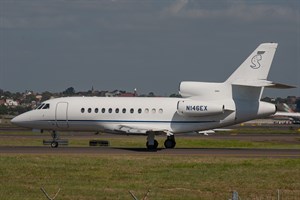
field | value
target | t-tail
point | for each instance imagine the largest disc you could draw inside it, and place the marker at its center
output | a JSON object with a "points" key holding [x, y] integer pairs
{"points": [[242, 91], [255, 69], [249, 80]]}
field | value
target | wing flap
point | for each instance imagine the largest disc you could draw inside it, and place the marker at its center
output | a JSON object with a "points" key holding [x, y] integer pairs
{"points": [[128, 129], [136, 130]]}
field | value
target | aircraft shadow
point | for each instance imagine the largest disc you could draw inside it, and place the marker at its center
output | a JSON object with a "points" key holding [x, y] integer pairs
{"points": [[136, 149]]}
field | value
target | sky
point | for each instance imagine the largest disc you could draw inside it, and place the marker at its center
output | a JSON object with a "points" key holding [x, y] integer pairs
{"points": [[50, 45]]}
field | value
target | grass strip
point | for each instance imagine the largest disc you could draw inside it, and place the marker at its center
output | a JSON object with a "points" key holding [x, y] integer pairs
{"points": [[168, 177]]}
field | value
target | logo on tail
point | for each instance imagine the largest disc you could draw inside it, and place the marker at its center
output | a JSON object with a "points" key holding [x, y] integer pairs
{"points": [[255, 60]]}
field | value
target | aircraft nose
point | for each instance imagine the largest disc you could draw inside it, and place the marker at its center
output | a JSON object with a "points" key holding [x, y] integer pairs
{"points": [[16, 120], [19, 120]]}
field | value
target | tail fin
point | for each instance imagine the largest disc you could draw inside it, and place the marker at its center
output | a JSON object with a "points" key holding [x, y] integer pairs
{"points": [[256, 67], [249, 80]]}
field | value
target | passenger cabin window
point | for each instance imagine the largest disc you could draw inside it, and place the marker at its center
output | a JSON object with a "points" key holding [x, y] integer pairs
{"points": [[110, 110]]}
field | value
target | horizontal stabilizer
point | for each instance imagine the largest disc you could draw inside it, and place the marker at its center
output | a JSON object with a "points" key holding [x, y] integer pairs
{"points": [[261, 83], [280, 86]]}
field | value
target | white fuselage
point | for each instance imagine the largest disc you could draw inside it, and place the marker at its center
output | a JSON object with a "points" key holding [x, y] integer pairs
{"points": [[113, 113]]}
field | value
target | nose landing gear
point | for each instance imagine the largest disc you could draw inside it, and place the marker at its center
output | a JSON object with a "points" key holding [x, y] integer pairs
{"points": [[55, 140]]}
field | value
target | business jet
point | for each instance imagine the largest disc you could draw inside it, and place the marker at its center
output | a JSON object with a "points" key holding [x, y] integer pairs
{"points": [[204, 106], [294, 117]]}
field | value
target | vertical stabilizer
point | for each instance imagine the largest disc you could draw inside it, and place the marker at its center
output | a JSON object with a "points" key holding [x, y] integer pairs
{"points": [[249, 79], [256, 67]]}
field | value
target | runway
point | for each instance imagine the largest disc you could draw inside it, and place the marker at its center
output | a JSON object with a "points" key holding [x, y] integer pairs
{"points": [[208, 152], [258, 136]]}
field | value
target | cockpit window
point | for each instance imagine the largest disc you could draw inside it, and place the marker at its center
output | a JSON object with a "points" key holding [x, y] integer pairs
{"points": [[46, 106], [40, 106]]}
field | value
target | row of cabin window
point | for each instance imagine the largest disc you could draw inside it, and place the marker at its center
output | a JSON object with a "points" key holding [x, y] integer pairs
{"points": [[117, 110]]}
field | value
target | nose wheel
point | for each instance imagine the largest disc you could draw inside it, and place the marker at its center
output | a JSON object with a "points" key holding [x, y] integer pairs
{"points": [[55, 137], [54, 144]]}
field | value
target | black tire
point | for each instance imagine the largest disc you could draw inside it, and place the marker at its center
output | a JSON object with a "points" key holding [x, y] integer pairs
{"points": [[152, 147], [54, 144], [170, 144]]}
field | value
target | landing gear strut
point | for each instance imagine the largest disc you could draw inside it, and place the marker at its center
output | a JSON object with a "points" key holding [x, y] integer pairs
{"points": [[151, 142], [55, 141], [55, 137]]}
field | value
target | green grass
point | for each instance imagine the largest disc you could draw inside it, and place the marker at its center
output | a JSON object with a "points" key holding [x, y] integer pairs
{"points": [[168, 177]]}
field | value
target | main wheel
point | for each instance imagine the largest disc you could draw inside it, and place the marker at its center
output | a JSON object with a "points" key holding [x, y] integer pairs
{"points": [[54, 144], [152, 147], [169, 144]]}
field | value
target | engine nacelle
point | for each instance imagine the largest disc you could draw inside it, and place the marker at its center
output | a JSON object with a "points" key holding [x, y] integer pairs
{"points": [[204, 89], [192, 108]]}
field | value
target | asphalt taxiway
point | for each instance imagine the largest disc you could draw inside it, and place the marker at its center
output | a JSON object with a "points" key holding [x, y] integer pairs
{"points": [[209, 152], [293, 139]]}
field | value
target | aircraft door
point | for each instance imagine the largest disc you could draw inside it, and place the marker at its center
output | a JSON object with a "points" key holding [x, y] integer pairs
{"points": [[61, 115]]}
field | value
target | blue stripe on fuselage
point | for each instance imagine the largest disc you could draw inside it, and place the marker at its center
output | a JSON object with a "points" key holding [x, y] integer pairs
{"points": [[133, 121]]}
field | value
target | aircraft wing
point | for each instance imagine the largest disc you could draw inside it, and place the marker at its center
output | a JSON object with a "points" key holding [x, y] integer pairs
{"points": [[207, 132], [136, 130], [287, 114]]}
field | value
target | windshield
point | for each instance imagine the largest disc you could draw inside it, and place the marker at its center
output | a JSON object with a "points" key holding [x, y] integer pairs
{"points": [[43, 106]]}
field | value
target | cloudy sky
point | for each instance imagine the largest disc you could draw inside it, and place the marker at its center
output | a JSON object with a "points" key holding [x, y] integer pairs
{"points": [[50, 45]]}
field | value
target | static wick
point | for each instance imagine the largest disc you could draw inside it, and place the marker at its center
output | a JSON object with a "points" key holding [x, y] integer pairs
{"points": [[46, 194]]}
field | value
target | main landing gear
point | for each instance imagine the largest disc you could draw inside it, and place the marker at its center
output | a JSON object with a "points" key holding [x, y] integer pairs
{"points": [[170, 142], [152, 144]]}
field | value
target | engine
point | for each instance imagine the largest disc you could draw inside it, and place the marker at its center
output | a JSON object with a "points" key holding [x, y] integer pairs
{"points": [[204, 89], [192, 108]]}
